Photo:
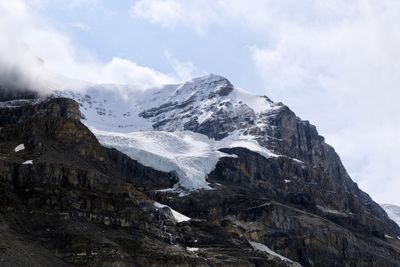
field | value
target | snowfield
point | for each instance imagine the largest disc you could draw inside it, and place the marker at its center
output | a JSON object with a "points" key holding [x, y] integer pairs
{"points": [[237, 139]]}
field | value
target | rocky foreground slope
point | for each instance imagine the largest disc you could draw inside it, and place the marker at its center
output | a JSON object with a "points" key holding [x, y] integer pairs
{"points": [[66, 200]]}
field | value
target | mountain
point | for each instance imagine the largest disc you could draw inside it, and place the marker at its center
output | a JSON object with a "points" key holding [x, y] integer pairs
{"points": [[393, 211], [195, 174], [64, 201]]}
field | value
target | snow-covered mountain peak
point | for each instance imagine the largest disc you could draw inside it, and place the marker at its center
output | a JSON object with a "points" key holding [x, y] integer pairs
{"points": [[206, 86], [209, 106], [187, 106], [209, 79]]}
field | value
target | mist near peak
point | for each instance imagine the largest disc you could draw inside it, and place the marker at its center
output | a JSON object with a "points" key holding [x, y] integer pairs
{"points": [[35, 56]]}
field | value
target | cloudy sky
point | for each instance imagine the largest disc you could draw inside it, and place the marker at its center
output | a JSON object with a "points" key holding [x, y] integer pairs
{"points": [[334, 62]]}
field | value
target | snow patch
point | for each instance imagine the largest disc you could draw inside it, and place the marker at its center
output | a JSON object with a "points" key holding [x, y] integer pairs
{"points": [[331, 211], [19, 147], [264, 248], [392, 211], [258, 103], [237, 139], [179, 217]]}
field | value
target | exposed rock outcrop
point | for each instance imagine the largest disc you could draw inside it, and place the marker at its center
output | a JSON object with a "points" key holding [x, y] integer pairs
{"points": [[16, 111], [136, 172]]}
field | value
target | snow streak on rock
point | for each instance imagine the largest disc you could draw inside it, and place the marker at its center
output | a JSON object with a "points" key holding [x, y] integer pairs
{"points": [[19, 147], [179, 217], [264, 248]]}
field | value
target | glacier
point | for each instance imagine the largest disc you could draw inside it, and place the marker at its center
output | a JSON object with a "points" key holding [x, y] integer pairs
{"points": [[190, 155]]}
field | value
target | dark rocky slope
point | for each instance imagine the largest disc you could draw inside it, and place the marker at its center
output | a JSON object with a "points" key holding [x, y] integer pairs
{"points": [[80, 205]]}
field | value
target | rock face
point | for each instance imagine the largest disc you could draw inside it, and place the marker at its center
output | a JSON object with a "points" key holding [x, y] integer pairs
{"points": [[67, 201], [16, 111], [299, 139], [135, 172]]}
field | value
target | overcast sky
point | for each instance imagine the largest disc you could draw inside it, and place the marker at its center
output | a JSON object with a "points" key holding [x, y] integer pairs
{"points": [[336, 63]]}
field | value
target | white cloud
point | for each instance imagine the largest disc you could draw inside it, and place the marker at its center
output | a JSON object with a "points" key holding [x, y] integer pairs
{"points": [[167, 12], [197, 14], [185, 70], [31, 50], [120, 70], [344, 75], [66, 4], [82, 26]]}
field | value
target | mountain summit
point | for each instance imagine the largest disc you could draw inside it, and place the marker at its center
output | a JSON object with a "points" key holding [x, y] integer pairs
{"points": [[188, 106]]}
